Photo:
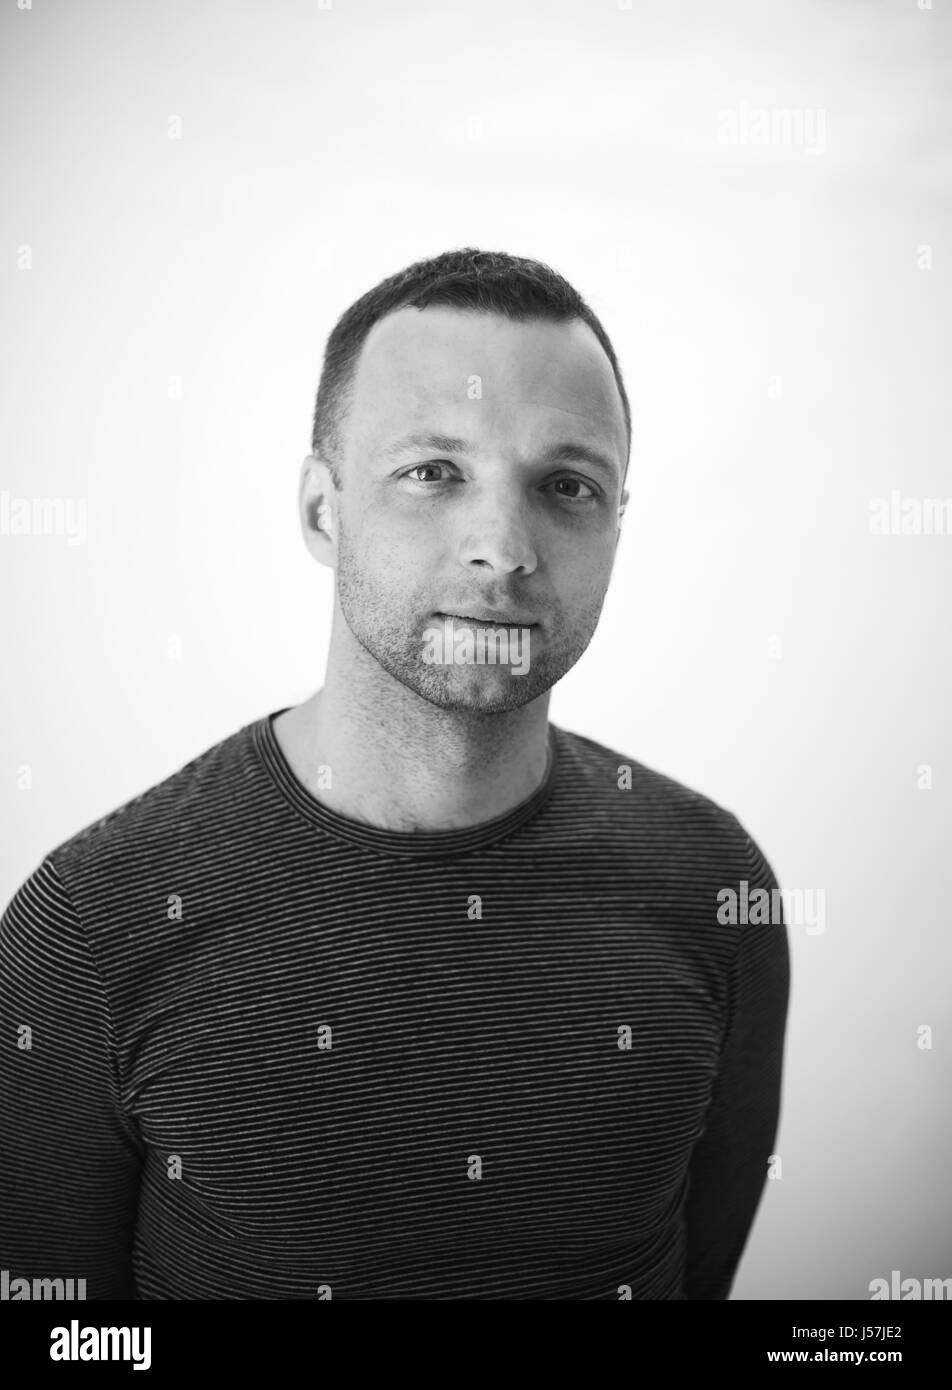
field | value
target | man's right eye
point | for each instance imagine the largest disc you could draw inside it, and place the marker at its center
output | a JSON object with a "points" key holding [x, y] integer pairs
{"points": [[417, 467]]}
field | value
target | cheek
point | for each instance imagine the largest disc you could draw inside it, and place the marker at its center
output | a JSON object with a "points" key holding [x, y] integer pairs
{"points": [[392, 556], [395, 530], [581, 574]]}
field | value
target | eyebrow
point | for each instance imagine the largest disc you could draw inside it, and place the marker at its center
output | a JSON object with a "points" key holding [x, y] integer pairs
{"points": [[566, 452]]}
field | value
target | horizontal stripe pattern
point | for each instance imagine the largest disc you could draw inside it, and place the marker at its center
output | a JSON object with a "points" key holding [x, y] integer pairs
{"points": [[276, 1053]]}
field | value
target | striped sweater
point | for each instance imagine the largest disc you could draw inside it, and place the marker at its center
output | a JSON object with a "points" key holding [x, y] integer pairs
{"points": [[254, 1049]]}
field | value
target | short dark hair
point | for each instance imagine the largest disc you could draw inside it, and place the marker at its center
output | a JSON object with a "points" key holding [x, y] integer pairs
{"points": [[486, 281]]}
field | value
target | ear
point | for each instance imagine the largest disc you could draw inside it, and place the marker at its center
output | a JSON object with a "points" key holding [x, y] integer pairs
{"points": [[622, 505], [317, 500]]}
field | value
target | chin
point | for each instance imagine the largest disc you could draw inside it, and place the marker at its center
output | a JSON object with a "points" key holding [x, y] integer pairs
{"points": [[477, 691]]}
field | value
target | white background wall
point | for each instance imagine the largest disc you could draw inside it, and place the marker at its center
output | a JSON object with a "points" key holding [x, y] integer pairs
{"points": [[777, 322]]}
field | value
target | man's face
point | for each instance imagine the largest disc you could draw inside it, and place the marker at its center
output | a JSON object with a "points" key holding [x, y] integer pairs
{"points": [[508, 515]]}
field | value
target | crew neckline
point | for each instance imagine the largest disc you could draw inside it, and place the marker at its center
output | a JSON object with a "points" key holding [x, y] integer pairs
{"points": [[405, 843]]}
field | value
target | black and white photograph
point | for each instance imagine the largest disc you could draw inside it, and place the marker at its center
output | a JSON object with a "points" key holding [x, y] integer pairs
{"points": [[475, 545]]}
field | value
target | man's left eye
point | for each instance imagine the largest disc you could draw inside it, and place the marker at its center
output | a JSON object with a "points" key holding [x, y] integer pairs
{"points": [[574, 496]]}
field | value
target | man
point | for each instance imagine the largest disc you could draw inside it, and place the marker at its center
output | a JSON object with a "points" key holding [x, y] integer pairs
{"points": [[405, 992]]}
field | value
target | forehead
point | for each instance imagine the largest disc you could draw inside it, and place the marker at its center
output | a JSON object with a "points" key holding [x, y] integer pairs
{"points": [[415, 363]]}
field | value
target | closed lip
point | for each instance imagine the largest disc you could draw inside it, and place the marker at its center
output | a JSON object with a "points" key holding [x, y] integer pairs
{"points": [[487, 615]]}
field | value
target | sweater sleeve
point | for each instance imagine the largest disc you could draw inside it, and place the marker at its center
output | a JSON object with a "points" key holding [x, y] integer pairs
{"points": [[69, 1157], [728, 1168]]}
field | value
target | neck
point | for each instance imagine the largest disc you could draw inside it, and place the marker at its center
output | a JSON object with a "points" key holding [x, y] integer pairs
{"points": [[400, 763]]}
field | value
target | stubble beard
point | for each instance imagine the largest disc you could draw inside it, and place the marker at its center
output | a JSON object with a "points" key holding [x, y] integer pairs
{"points": [[397, 644]]}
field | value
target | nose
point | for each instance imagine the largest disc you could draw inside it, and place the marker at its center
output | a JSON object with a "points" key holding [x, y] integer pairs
{"points": [[497, 537]]}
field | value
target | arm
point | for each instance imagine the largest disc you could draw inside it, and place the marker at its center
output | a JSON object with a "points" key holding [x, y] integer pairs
{"points": [[729, 1166], [69, 1157]]}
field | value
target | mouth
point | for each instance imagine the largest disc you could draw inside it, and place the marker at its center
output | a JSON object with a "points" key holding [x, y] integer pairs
{"points": [[486, 620]]}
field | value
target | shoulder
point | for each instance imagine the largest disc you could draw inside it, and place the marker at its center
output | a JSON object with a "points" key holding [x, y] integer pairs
{"points": [[618, 785], [160, 824]]}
